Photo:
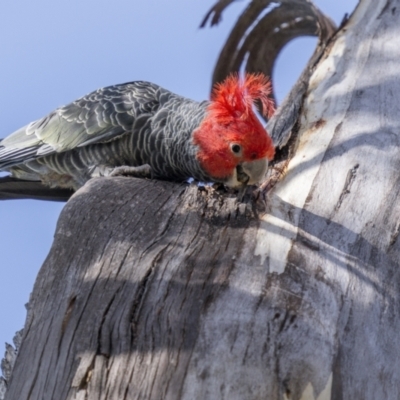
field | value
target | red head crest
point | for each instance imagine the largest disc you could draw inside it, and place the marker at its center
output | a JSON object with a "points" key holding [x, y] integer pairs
{"points": [[230, 120], [234, 98]]}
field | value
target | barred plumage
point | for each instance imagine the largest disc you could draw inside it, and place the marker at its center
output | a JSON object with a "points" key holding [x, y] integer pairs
{"points": [[130, 124]]}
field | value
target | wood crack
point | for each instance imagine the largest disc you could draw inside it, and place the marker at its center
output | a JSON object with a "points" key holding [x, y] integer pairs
{"points": [[394, 236], [65, 321], [351, 176], [139, 298]]}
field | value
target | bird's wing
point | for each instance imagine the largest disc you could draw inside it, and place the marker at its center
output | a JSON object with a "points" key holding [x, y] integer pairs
{"points": [[98, 117]]}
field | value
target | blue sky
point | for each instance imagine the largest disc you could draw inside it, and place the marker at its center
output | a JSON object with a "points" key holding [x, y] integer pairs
{"points": [[54, 52]]}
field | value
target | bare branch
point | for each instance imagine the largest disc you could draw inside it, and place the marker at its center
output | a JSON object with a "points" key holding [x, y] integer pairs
{"points": [[12, 188], [215, 13]]}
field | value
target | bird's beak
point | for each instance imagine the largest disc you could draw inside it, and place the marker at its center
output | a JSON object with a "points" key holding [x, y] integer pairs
{"points": [[253, 172]]}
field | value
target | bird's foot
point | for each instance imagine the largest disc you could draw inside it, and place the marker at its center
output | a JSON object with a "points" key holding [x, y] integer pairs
{"points": [[143, 171]]}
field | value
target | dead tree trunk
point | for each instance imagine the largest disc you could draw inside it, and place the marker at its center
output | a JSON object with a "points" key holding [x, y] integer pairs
{"points": [[154, 290]]}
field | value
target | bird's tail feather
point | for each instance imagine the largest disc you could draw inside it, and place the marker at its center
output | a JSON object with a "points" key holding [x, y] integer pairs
{"points": [[13, 189]]}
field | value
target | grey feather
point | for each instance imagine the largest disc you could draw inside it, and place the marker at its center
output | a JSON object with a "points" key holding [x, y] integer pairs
{"points": [[123, 125]]}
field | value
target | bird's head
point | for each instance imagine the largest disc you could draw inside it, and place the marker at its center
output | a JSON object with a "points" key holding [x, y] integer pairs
{"points": [[233, 146]]}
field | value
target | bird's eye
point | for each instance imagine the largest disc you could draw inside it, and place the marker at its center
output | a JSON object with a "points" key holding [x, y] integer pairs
{"points": [[236, 148]]}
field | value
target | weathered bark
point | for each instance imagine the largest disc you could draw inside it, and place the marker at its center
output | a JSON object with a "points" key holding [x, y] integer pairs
{"points": [[154, 290]]}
